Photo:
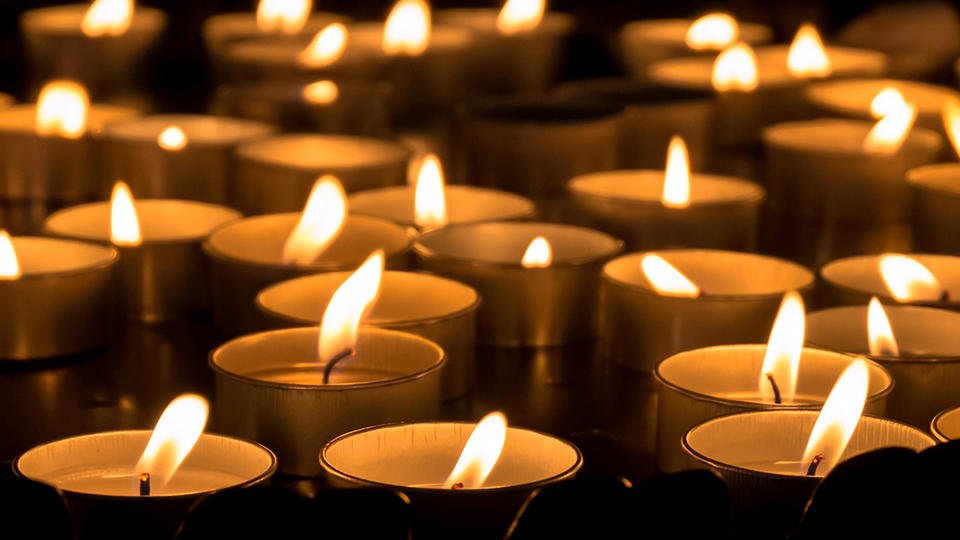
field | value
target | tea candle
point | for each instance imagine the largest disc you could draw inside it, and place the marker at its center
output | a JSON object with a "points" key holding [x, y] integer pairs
{"points": [[177, 155], [936, 201], [946, 425], [275, 174], [735, 301], [538, 281], [162, 272], [58, 293], [854, 280]]}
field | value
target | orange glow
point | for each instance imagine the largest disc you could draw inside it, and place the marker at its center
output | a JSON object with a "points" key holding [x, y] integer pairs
{"points": [[538, 254], [907, 280], [177, 431], [430, 205], [888, 135], [284, 16], [735, 69], [879, 332], [107, 17], [124, 225], [807, 57], [665, 279], [326, 47], [887, 101], [520, 16], [782, 357], [714, 31], [348, 306], [172, 138], [676, 182], [9, 265], [951, 122], [62, 109], [320, 223], [321, 92], [838, 418], [407, 31], [480, 454]]}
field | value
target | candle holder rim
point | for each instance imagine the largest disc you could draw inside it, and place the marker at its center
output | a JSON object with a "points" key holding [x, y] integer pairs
{"points": [[706, 84], [938, 433], [148, 13], [91, 131], [918, 136], [753, 26], [396, 324], [278, 88], [811, 91], [429, 253], [340, 387], [540, 110], [755, 192], [109, 130], [403, 153], [919, 179], [112, 256], [632, 93], [756, 405], [330, 469], [529, 213], [15, 464], [553, 23], [885, 295]]}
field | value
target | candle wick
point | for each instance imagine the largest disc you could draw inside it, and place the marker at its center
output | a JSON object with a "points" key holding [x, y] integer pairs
{"points": [[812, 469], [776, 389], [457, 486], [144, 483], [332, 362], [945, 296]]}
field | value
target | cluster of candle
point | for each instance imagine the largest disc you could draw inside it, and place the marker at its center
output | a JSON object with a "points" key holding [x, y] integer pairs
{"points": [[304, 247]]}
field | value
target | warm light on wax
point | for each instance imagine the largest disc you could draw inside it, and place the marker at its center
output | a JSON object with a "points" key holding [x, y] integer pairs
{"points": [[735, 69], [320, 223], [348, 306], [284, 16], [838, 418], [538, 254], [951, 122], [676, 181], [907, 280], [781, 361], [321, 92], [107, 18], [172, 138], [177, 431], [407, 30], [890, 132], [9, 265], [124, 225], [62, 109], [713, 31], [880, 333], [326, 47], [665, 279], [480, 454], [518, 16], [807, 57], [430, 205]]}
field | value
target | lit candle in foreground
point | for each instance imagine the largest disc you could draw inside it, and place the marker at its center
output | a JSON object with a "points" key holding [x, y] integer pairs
{"points": [[455, 473], [118, 483], [296, 389], [915, 279]]}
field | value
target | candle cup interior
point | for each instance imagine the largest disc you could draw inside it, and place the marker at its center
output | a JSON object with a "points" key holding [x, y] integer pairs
{"points": [[718, 273], [367, 36], [862, 274], [405, 298], [465, 204], [844, 61], [423, 455], [290, 358], [161, 220], [842, 137], [199, 129], [67, 20], [328, 152], [504, 243], [40, 257], [674, 31], [853, 97], [646, 186], [943, 178], [946, 425], [23, 117], [260, 240], [540, 110], [921, 333], [484, 20], [103, 464]]}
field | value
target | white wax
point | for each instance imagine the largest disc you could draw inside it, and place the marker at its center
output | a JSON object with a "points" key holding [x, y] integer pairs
{"points": [[465, 204], [123, 481], [674, 32], [23, 117], [38, 255], [323, 151], [853, 97], [647, 186], [68, 19], [920, 332], [161, 220], [839, 136], [199, 129], [484, 21], [368, 38], [946, 426], [862, 274]]}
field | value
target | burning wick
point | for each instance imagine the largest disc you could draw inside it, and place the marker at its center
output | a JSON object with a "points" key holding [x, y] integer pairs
{"points": [[776, 389], [333, 362], [457, 486], [144, 484], [814, 463]]}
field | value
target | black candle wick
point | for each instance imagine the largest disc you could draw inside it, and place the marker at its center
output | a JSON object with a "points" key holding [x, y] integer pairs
{"points": [[776, 389], [332, 362], [144, 483], [945, 296], [812, 469]]}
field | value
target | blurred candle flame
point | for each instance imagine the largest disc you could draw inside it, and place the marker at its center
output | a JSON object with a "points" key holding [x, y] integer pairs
{"points": [[407, 30], [321, 92], [538, 254], [124, 225], [9, 265], [735, 69], [178, 430], [880, 333], [781, 361], [518, 16], [951, 122], [665, 279], [348, 306], [62, 109], [890, 132], [320, 223], [326, 47], [907, 280], [172, 138], [887, 101], [807, 57], [838, 418], [676, 182], [430, 205], [713, 31], [480, 454], [284, 16], [107, 17]]}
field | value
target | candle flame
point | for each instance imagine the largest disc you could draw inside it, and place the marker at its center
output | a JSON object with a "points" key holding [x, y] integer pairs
{"points": [[882, 342], [62, 109], [781, 361], [951, 122], [9, 265], [124, 225], [326, 47], [907, 280], [807, 56], [107, 17], [178, 430], [838, 418], [480, 454], [172, 138], [735, 69], [407, 31], [348, 306], [321, 92], [538, 254], [430, 205], [713, 31], [897, 117], [320, 223], [518, 16], [284, 16], [676, 182], [665, 279]]}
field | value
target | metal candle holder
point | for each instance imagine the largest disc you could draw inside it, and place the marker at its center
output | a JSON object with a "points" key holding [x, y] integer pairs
{"points": [[936, 203], [854, 280]]}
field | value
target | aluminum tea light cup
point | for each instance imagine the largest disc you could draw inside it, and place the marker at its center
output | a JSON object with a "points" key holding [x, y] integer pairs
{"points": [[269, 387], [279, 59], [854, 280], [946, 425], [936, 203], [60, 303], [740, 294], [696, 385], [277, 173], [524, 306], [464, 204], [178, 156], [927, 368]]}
